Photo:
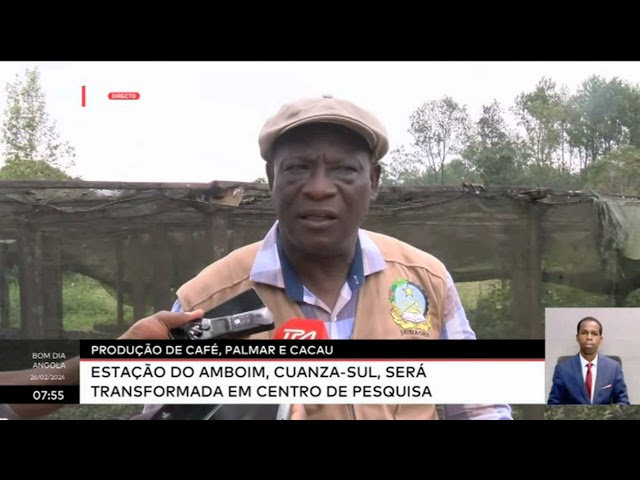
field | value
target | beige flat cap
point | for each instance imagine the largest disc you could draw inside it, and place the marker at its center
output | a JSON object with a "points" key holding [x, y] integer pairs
{"points": [[325, 109]]}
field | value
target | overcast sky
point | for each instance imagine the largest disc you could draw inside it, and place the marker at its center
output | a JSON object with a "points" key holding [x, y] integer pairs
{"points": [[199, 121]]}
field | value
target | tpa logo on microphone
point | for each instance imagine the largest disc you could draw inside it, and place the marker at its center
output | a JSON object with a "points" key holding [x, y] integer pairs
{"points": [[297, 334]]}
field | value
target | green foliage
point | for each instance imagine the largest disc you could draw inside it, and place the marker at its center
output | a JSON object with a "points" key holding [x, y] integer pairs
{"points": [[592, 412], [31, 170], [617, 172], [588, 139], [491, 318], [33, 149], [393, 173], [489, 312], [633, 300], [562, 296], [96, 412]]}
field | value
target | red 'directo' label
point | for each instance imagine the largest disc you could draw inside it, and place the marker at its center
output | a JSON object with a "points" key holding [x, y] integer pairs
{"points": [[124, 96]]}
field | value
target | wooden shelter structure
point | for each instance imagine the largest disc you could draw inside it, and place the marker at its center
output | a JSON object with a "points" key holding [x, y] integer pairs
{"points": [[141, 241]]}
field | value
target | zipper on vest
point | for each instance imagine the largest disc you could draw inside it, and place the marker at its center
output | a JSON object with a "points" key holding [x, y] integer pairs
{"points": [[351, 412]]}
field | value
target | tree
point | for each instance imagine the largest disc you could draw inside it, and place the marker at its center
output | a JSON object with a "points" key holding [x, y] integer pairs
{"points": [[616, 173], [33, 149], [439, 128], [541, 113], [493, 150]]}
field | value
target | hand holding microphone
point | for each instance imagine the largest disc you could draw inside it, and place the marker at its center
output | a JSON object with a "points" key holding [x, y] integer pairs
{"points": [[240, 317], [298, 412], [299, 329]]}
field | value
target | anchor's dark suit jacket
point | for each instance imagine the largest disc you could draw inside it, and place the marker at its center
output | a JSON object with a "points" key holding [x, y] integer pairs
{"points": [[568, 384]]}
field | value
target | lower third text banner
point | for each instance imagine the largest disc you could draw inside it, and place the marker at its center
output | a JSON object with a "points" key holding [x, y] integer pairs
{"points": [[271, 372]]}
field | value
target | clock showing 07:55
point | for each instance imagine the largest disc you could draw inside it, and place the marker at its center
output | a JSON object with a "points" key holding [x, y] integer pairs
{"points": [[44, 395]]}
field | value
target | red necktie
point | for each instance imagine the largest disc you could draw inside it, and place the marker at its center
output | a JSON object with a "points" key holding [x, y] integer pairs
{"points": [[588, 380]]}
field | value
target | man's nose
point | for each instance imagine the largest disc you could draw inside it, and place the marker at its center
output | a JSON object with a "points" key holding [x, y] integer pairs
{"points": [[319, 184]]}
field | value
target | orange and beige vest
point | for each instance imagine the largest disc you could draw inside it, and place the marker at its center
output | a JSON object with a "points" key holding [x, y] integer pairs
{"points": [[375, 318]]}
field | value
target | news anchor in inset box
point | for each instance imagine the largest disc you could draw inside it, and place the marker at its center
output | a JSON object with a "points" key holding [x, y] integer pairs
{"points": [[588, 378]]}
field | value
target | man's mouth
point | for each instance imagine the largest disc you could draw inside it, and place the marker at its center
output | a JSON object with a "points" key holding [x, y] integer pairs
{"points": [[318, 216]]}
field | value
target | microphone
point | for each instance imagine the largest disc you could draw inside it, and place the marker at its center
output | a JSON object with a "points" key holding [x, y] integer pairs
{"points": [[301, 329], [298, 329], [241, 316]]}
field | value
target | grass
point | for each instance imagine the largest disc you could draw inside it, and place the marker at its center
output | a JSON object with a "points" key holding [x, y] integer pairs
{"points": [[86, 304], [95, 412]]}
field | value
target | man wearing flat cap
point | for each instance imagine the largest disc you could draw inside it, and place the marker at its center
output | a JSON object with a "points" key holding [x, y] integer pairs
{"points": [[322, 162]]}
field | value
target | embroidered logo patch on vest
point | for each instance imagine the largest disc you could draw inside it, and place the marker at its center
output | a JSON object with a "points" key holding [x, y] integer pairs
{"points": [[410, 308]]}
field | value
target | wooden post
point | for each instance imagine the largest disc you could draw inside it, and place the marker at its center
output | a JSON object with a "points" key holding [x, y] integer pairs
{"points": [[31, 305], [119, 282], [534, 264], [5, 311], [526, 279], [526, 289], [163, 270], [52, 299], [232, 235], [218, 234], [40, 285], [135, 261]]}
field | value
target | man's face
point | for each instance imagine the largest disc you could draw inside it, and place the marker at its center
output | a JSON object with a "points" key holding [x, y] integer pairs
{"points": [[322, 183], [589, 337]]}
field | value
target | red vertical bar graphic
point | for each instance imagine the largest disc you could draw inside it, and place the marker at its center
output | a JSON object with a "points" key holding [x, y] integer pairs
{"points": [[84, 96]]}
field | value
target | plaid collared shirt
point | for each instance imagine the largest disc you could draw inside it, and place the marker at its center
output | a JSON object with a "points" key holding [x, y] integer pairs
{"points": [[271, 267]]}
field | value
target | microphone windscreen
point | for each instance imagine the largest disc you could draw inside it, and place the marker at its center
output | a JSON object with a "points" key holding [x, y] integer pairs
{"points": [[301, 329]]}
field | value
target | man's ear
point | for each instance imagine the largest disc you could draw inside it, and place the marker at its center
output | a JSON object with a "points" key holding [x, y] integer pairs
{"points": [[376, 171]]}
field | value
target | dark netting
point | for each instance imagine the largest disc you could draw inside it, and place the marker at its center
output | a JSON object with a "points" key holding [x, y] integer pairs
{"points": [[620, 237], [83, 259]]}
